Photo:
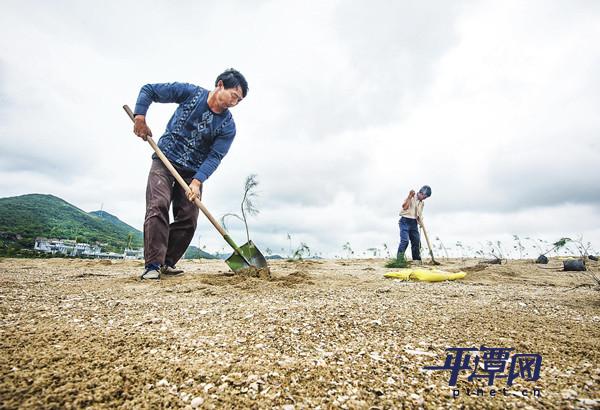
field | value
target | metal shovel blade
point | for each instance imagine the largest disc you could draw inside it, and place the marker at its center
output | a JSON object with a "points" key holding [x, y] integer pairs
{"points": [[252, 255]]}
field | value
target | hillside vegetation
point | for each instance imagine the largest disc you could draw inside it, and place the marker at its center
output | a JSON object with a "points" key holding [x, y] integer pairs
{"points": [[25, 217]]}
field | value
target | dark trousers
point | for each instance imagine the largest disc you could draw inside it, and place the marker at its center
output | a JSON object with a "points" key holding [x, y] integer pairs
{"points": [[409, 230], [164, 243]]}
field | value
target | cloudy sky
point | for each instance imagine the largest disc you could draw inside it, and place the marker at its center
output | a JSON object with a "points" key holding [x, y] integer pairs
{"points": [[351, 105]]}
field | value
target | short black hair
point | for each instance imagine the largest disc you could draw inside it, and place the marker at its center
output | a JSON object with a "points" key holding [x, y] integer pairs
{"points": [[232, 78], [426, 190]]}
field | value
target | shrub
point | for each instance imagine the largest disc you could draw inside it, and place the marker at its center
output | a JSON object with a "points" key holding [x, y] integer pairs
{"points": [[399, 262]]}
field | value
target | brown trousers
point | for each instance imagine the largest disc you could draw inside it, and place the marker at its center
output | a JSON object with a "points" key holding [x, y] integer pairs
{"points": [[164, 243]]}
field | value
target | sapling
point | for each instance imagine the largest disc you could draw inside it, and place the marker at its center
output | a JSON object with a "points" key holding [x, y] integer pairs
{"points": [[556, 246], [495, 249], [302, 251], [568, 250], [441, 246], [583, 250], [561, 243], [518, 246], [535, 243], [460, 246], [481, 251], [247, 205], [348, 249], [470, 251], [501, 251], [386, 249]]}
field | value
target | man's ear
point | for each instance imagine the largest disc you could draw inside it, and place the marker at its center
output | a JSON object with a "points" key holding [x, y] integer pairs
{"points": [[220, 84]]}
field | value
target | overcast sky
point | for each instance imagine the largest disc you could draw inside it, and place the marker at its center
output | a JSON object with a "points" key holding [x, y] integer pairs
{"points": [[351, 104]]}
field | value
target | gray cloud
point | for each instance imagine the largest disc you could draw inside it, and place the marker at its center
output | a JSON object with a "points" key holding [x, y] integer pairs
{"points": [[14, 159], [530, 178], [383, 65]]}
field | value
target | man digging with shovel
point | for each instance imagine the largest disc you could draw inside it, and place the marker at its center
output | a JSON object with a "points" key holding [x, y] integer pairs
{"points": [[197, 137], [411, 216]]}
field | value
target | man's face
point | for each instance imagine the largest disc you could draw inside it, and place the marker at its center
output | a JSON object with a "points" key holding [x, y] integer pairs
{"points": [[421, 196], [230, 97]]}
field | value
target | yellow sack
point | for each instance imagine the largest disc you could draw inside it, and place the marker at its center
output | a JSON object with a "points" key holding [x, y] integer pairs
{"points": [[425, 275]]}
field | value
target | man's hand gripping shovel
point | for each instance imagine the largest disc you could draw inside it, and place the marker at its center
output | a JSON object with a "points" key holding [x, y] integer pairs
{"points": [[245, 256]]}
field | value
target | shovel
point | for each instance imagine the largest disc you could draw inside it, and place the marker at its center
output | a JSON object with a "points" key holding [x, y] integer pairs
{"points": [[245, 256], [428, 244]]}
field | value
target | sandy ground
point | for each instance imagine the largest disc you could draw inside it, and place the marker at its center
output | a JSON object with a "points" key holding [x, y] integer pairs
{"points": [[328, 334]]}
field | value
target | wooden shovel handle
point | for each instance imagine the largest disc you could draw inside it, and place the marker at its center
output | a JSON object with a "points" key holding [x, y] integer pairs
{"points": [[427, 239]]}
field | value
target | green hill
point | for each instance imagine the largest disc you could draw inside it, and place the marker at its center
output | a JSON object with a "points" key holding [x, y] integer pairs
{"points": [[137, 236], [25, 217], [193, 252]]}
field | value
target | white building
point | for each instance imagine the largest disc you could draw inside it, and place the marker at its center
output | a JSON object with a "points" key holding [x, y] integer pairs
{"points": [[71, 248], [133, 254]]}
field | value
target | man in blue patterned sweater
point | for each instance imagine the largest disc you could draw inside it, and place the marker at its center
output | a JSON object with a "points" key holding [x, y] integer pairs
{"points": [[196, 139]]}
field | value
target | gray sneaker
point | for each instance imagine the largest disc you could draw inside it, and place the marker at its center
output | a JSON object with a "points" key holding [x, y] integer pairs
{"points": [[170, 270], [151, 274]]}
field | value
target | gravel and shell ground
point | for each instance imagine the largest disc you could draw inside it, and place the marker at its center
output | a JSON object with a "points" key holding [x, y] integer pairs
{"points": [[318, 334]]}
